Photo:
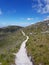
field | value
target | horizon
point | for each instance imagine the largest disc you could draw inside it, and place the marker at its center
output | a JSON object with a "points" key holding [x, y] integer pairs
{"points": [[26, 25], [23, 12]]}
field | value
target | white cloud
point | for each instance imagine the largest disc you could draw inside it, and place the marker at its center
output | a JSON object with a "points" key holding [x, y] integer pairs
{"points": [[44, 9], [46, 1], [47, 18], [29, 19], [0, 12], [42, 6]]}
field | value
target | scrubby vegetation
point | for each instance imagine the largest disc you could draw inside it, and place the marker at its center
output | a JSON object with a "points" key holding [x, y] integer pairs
{"points": [[38, 43], [38, 48], [10, 43]]}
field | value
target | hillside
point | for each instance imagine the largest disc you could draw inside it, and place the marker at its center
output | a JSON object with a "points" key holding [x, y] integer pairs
{"points": [[10, 41], [38, 44], [38, 27]]}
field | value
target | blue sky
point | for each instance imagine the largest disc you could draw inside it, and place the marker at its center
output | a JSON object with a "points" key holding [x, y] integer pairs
{"points": [[23, 12]]}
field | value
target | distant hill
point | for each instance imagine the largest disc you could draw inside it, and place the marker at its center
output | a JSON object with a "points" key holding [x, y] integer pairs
{"points": [[10, 29]]}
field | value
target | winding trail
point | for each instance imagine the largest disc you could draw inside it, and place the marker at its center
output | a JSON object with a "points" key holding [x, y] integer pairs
{"points": [[21, 56]]}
